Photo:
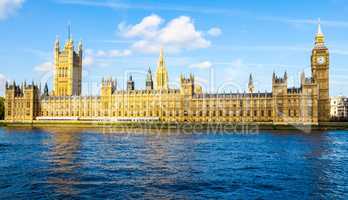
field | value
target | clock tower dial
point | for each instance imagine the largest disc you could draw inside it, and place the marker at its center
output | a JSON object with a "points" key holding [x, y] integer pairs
{"points": [[321, 60]]}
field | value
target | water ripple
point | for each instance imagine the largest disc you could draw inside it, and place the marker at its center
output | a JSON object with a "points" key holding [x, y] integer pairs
{"points": [[84, 164]]}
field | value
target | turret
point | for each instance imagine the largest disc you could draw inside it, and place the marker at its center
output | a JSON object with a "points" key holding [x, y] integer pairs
{"points": [[303, 77], [130, 83], [46, 93], [22, 87], [108, 86], [57, 44], [40, 88], [251, 87], [279, 84], [149, 81], [187, 86], [56, 50], [79, 49], [280, 80]]}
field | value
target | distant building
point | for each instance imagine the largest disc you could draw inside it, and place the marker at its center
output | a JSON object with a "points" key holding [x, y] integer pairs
{"points": [[307, 104], [339, 108]]}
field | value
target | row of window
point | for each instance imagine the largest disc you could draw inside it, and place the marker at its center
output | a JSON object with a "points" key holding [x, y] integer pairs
{"points": [[220, 113], [140, 106]]}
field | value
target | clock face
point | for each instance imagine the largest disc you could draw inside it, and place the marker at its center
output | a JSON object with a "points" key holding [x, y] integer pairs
{"points": [[321, 60]]}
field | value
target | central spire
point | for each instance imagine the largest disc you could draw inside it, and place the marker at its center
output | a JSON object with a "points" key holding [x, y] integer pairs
{"points": [[161, 57], [161, 74]]}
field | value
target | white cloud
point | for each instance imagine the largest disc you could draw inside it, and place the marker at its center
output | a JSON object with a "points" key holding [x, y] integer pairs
{"points": [[202, 65], [147, 28], [114, 53], [45, 67], [215, 32], [88, 60], [178, 34], [182, 32], [9, 7], [103, 58], [2, 77], [148, 46]]}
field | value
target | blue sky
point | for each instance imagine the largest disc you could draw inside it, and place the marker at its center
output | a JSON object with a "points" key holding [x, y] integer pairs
{"points": [[220, 41]]}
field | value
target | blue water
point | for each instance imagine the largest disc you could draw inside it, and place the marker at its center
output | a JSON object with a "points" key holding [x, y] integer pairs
{"points": [[84, 164]]}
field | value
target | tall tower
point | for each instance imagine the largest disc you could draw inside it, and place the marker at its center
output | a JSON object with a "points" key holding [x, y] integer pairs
{"points": [[320, 73], [68, 68], [161, 74]]}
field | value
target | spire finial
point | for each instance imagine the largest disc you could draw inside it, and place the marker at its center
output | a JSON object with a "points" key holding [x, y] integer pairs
{"points": [[251, 84], [319, 38], [69, 30], [161, 58], [319, 32], [80, 46], [161, 53], [57, 42]]}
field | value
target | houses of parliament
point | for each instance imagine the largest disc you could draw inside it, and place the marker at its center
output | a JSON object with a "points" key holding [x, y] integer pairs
{"points": [[306, 104]]}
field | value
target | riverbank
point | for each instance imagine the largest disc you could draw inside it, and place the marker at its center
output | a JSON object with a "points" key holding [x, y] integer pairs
{"points": [[189, 126]]}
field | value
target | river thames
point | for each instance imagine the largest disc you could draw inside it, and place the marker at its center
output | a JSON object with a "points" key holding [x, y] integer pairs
{"points": [[62, 163]]}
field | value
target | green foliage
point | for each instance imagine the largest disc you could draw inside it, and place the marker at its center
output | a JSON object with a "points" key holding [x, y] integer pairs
{"points": [[2, 108]]}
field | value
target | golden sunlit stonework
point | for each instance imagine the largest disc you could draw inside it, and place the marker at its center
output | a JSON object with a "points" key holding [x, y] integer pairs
{"points": [[68, 69], [307, 104]]}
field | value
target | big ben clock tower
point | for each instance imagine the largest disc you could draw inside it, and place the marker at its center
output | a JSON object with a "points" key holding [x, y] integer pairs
{"points": [[320, 73]]}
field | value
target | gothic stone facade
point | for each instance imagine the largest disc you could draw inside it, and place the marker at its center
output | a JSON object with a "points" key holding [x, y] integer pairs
{"points": [[308, 104]]}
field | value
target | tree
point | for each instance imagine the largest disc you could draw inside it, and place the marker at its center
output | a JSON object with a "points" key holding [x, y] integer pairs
{"points": [[2, 108]]}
